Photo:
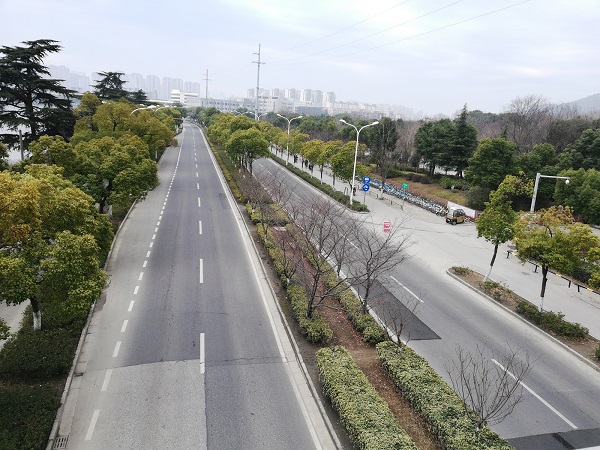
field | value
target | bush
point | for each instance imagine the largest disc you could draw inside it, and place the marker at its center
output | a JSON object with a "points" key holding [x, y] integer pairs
{"points": [[595, 280], [435, 400], [459, 270], [40, 354], [394, 173], [425, 179], [551, 321], [365, 324], [598, 352], [27, 414], [364, 414], [477, 196], [314, 328]]}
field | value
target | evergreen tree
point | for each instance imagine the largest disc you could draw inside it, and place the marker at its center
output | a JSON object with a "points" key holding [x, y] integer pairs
{"points": [[465, 143], [30, 101], [110, 86]]}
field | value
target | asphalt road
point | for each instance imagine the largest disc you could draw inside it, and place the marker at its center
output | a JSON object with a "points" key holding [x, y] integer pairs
{"points": [[562, 393], [185, 349]]}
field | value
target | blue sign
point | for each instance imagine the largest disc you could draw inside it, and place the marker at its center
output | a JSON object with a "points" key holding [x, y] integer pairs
{"points": [[365, 187], [366, 180]]}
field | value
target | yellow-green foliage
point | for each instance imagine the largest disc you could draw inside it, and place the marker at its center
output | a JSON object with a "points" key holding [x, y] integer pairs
{"points": [[365, 415]]}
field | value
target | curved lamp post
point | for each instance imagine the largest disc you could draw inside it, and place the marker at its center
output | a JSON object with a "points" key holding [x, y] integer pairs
{"points": [[147, 107], [537, 182], [358, 130], [289, 121]]}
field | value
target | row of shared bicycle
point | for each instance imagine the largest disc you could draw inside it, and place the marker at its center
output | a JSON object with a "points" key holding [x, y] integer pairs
{"points": [[404, 194]]}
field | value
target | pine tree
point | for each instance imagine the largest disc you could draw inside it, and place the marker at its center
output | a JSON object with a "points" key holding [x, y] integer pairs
{"points": [[30, 101]]}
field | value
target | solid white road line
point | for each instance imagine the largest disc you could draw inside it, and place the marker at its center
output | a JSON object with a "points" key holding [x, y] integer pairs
{"points": [[202, 364], [571, 424], [407, 289], [106, 380], [124, 327], [199, 227], [88, 436], [130, 306], [201, 271], [116, 350]]}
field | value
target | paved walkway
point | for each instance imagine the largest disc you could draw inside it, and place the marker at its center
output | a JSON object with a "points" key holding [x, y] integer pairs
{"points": [[442, 246]]}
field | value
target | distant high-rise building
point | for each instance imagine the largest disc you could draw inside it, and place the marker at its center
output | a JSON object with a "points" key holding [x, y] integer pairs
{"points": [[292, 94], [250, 93], [306, 95], [152, 86]]}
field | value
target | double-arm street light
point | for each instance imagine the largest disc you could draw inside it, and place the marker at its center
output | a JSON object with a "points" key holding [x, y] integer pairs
{"points": [[358, 130], [537, 182], [289, 121], [145, 107]]}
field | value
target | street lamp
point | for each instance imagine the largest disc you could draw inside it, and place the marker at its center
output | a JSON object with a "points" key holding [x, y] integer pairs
{"points": [[289, 121], [356, 152], [537, 182], [147, 107], [260, 115]]}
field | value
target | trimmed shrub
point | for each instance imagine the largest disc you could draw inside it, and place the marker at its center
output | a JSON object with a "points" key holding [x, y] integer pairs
{"points": [[425, 179], [365, 324], [314, 328], [364, 414], [551, 321], [435, 400], [460, 270], [27, 414], [38, 354]]}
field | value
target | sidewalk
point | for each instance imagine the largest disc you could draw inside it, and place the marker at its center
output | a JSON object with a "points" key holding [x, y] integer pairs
{"points": [[441, 246]]}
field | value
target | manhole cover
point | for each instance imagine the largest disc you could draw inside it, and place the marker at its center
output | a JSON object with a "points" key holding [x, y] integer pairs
{"points": [[60, 442]]}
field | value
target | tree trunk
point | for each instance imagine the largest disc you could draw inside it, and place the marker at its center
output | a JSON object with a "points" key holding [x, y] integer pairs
{"points": [[544, 281], [37, 314], [492, 262]]}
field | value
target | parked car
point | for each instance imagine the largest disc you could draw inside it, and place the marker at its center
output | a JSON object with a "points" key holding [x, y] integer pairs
{"points": [[455, 215]]}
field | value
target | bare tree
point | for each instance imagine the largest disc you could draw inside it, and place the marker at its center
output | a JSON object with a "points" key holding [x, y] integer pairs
{"points": [[375, 253], [397, 318], [527, 121], [319, 220], [490, 388]]}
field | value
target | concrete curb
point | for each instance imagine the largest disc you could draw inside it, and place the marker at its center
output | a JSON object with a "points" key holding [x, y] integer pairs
{"points": [[522, 319]]}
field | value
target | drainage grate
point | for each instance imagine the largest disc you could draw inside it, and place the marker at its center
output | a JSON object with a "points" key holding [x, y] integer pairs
{"points": [[60, 442]]}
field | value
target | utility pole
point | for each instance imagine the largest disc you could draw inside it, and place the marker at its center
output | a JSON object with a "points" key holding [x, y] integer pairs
{"points": [[207, 80], [258, 63]]}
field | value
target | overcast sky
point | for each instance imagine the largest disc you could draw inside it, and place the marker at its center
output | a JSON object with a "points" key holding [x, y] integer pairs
{"points": [[429, 55]]}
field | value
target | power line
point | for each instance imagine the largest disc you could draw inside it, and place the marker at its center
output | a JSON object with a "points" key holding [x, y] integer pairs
{"points": [[400, 40]]}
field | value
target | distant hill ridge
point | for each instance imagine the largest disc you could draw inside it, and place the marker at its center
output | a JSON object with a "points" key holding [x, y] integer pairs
{"points": [[587, 104]]}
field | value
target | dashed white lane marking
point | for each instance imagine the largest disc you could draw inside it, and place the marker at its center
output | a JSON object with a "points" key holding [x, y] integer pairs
{"points": [[159, 219], [199, 227], [154, 236], [201, 271], [145, 263], [151, 244], [116, 350], [198, 186], [571, 424], [202, 364], [135, 291], [141, 276], [196, 166], [124, 326], [198, 202], [88, 436], [196, 174], [156, 230], [130, 306], [106, 380], [148, 254], [407, 289]]}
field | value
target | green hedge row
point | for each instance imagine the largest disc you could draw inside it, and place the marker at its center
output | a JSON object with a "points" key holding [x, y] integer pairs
{"points": [[365, 324], [27, 414], [313, 328], [329, 190], [435, 400], [364, 414], [551, 321]]}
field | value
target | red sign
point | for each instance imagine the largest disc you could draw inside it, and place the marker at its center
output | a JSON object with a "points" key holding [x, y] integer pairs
{"points": [[387, 227]]}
